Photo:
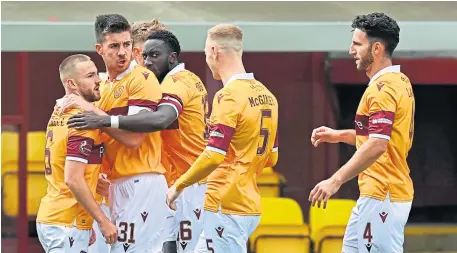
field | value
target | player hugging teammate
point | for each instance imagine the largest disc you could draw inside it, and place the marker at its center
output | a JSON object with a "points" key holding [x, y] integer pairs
{"points": [[146, 128]]}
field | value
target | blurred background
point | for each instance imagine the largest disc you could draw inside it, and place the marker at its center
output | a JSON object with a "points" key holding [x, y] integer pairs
{"points": [[299, 51]]}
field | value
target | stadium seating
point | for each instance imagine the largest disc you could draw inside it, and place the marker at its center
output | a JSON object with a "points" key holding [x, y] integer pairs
{"points": [[36, 183], [36, 189], [328, 225], [270, 183], [281, 228]]}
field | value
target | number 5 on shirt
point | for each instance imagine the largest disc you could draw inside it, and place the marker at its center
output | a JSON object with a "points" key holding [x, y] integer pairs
{"points": [[264, 132]]}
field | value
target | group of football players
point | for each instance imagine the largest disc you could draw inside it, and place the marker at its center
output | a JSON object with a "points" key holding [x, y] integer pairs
{"points": [[137, 152]]}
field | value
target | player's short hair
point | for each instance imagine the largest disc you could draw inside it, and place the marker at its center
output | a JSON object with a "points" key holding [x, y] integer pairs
{"points": [[169, 38], [110, 23], [68, 65], [143, 28], [227, 36], [379, 27]]}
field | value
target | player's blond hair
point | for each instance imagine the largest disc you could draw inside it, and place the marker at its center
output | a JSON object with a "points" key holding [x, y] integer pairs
{"points": [[227, 36], [68, 65], [143, 28]]}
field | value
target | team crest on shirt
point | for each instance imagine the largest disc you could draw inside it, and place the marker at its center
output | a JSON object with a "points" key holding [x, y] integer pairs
{"points": [[219, 231], [219, 97], [118, 92], [380, 85], [84, 148]]}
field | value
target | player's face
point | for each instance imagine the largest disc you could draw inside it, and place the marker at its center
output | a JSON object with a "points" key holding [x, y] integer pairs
{"points": [[116, 51], [138, 53], [211, 58], [86, 81], [158, 58], [361, 50]]}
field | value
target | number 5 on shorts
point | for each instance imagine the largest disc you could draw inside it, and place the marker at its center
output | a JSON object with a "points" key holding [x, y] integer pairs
{"points": [[210, 248]]}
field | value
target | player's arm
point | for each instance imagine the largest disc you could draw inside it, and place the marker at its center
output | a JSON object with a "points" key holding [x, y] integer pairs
{"points": [[78, 151], [223, 123], [382, 106], [175, 95], [126, 138], [347, 136]]}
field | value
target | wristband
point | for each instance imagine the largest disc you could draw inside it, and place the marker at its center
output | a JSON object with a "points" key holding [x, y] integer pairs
{"points": [[114, 121]]}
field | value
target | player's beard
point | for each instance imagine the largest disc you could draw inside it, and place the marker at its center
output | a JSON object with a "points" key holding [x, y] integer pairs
{"points": [[366, 61], [90, 96]]}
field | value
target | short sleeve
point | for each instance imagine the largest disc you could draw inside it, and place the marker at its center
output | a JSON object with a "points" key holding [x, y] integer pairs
{"points": [[144, 93], [223, 121], [382, 105], [176, 94], [80, 144], [276, 143]]}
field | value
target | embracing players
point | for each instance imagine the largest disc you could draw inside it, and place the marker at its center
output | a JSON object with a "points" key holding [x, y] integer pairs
{"points": [[383, 135], [72, 164], [137, 193], [182, 116], [243, 126]]}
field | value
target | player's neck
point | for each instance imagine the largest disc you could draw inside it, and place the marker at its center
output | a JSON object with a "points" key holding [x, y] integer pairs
{"points": [[378, 66], [231, 68]]}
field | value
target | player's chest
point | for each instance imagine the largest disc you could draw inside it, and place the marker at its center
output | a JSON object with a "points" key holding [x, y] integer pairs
{"points": [[114, 97]]}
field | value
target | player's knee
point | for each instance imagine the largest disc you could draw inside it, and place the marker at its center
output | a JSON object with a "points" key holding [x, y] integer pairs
{"points": [[170, 247]]}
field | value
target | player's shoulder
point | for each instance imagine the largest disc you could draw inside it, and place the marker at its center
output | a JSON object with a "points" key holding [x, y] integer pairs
{"points": [[142, 74], [392, 82]]}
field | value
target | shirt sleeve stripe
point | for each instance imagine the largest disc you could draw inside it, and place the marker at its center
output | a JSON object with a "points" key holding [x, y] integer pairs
{"points": [[136, 109], [379, 136], [77, 159], [220, 151]]}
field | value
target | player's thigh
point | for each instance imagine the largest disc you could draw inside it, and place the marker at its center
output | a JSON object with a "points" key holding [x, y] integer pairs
{"points": [[228, 233], [400, 210], [350, 240], [374, 226], [139, 211], [190, 215], [170, 232], [57, 239], [201, 246]]}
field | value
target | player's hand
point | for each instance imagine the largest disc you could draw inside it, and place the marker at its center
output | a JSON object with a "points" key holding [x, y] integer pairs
{"points": [[88, 120], [103, 185], [323, 191], [109, 231], [324, 134], [72, 101], [93, 237], [172, 195]]}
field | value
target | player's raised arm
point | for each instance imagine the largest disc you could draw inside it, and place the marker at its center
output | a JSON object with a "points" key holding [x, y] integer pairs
{"points": [[79, 147]]}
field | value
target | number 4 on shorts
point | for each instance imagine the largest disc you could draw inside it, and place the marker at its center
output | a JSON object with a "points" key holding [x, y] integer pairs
{"points": [[367, 233]]}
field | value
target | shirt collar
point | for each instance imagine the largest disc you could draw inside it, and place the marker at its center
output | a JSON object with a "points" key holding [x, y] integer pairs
{"points": [[60, 101], [179, 67], [390, 69], [128, 70], [248, 76]]}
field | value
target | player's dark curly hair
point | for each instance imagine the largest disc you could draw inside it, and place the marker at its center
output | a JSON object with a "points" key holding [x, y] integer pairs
{"points": [[110, 23], [169, 38], [379, 27]]}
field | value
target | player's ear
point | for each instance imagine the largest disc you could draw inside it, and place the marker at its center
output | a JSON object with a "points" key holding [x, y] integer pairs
{"points": [[172, 58], [377, 48], [136, 51], [70, 83], [99, 49]]}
